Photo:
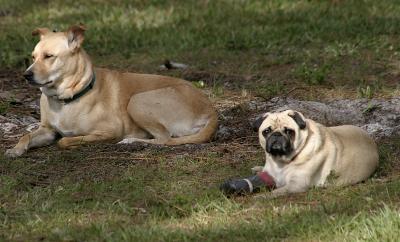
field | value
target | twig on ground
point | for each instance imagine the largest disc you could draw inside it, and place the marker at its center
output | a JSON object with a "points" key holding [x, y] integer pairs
{"points": [[285, 96], [115, 158]]}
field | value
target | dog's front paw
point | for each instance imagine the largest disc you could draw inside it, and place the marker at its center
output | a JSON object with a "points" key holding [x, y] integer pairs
{"points": [[67, 143], [14, 152], [62, 143], [256, 169], [236, 187]]}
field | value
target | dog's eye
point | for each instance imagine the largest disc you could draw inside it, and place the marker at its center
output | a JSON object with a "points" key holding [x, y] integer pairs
{"points": [[288, 131], [46, 56], [33, 57], [266, 131]]}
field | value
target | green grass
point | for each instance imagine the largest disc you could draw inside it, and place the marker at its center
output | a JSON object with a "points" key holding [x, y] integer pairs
{"points": [[4, 107], [157, 195], [313, 49], [329, 43]]}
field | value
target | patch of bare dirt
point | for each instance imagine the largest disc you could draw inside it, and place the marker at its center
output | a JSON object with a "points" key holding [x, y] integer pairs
{"points": [[52, 165], [19, 107], [234, 142]]}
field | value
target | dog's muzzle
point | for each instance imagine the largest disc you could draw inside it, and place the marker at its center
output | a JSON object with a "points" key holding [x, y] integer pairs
{"points": [[278, 145], [28, 75]]}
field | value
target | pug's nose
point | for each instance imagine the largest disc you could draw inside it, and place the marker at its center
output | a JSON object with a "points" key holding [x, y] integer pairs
{"points": [[276, 146], [28, 75]]}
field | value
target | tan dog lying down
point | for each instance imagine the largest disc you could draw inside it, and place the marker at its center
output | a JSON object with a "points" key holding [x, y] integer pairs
{"points": [[83, 104], [301, 153]]}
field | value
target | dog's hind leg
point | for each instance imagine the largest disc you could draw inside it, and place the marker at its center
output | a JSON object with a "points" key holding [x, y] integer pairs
{"points": [[159, 133], [149, 141], [148, 115], [171, 117]]}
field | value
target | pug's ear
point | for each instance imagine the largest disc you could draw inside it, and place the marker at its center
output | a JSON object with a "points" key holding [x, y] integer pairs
{"points": [[257, 123], [41, 32], [75, 35], [298, 119]]}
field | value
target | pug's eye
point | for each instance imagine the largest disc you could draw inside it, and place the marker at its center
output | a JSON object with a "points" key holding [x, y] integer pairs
{"points": [[288, 131], [47, 56], [33, 57], [266, 131]]}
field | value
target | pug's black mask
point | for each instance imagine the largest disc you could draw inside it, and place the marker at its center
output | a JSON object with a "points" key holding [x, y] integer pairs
{"points": [[278, 144]]}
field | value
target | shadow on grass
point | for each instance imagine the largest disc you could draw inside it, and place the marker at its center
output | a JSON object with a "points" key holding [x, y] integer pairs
{"points": [[166, 200], [323, 216], [222, 25]]}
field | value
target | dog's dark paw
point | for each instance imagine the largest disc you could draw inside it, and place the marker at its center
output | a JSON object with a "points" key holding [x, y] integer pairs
{"points": [[248, 185], [235, 187]]}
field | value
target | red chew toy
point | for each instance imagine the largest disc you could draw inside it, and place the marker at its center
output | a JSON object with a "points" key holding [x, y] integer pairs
{"points": [[267, 179]]}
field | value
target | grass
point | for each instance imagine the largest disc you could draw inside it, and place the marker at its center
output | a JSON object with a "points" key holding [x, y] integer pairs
{"points": [[328, 43], [4, 107], [314, 50], [157, 195], [312, 75]]}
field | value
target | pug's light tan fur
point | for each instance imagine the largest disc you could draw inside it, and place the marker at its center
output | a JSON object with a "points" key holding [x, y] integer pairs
{"points": [[120, 106], [322, 156]]}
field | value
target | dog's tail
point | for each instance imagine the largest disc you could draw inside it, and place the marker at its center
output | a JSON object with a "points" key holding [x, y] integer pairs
{"points": [[204, 135]]}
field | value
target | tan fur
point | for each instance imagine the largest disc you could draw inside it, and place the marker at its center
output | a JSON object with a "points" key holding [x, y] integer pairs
{"points": [[129, 106], [322, 156]]}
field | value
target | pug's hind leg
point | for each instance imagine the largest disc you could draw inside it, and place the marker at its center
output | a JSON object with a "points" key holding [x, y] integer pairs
{"points": [[283, 191]]}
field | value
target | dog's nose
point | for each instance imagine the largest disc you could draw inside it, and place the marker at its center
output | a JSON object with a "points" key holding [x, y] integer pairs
{"points": [[28, 75], [276, 146]]}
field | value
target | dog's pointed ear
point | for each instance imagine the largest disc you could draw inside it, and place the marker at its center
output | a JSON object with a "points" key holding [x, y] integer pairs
{"points": [[257, 123], [75, 35], [41, 32], [298, 119]]}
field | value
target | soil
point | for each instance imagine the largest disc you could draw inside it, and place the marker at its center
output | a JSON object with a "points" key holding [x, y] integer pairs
{"points": [[234, 143]]}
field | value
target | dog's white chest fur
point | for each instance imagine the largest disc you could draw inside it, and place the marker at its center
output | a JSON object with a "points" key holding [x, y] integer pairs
{"points": [[68, 120], [63, 122], [62, 129], [312, 173], [278, 173]]}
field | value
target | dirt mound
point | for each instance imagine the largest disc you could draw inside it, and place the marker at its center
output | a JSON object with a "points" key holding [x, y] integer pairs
{"points": [[379, 117]]}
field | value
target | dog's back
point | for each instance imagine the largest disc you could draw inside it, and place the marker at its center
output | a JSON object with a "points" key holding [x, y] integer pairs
{"points": [[358, 156]]}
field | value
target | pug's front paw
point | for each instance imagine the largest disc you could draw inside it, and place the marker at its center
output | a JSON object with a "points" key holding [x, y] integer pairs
{"points": [[257, 169]]}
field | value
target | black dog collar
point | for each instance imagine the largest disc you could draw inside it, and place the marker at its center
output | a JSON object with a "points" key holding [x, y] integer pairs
{"points": [[81, 93]]}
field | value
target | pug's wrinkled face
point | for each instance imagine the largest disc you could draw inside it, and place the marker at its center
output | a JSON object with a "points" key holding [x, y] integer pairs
{"points": [[282, 134]]}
